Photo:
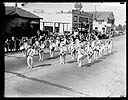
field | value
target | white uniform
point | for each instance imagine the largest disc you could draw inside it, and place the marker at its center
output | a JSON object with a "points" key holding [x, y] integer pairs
{"points": [[36, 44], [90, 53], [30, 54], [41, 51], [110, 46], [79, 57], [72, 48], [63, 50], [51, 47]]}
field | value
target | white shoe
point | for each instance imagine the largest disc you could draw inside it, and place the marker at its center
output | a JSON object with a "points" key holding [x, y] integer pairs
{"points": [[89, 62], [28, 67], [31, 67], [79, 65]]}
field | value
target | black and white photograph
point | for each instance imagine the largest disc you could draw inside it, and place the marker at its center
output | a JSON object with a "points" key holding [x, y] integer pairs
{"points": [[64, 49]]}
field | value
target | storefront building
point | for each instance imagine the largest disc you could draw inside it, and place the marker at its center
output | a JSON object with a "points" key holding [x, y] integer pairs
{"points": [[20, 23], [66, 22], [103, 21]]}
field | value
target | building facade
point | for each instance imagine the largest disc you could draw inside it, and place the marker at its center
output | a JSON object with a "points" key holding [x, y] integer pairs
{"points": [[103, 21], [63, 22], [20, 23]]}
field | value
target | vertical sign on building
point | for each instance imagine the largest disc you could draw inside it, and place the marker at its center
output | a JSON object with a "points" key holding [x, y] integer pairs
{"points": [[41, 25]]}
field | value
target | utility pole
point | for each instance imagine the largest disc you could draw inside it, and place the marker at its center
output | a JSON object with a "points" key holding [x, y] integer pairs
{"points": [[95, 12], [16, 7]]}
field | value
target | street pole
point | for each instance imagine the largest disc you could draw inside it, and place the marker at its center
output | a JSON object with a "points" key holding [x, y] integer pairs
{"points": [[16, 7]]}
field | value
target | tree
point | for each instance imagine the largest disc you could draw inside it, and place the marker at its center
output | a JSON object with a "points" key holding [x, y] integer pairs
{"points": [[119, 27], [124, 27]]}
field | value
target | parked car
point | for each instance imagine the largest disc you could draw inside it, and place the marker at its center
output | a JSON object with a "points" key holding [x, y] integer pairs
{"points": [[120, 32]]}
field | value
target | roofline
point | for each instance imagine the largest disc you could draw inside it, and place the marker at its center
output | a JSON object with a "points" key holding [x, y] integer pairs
{"points": [[9, 16], [25, 11], [29, 12]]}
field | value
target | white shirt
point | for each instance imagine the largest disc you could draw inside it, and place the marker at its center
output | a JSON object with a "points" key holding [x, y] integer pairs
{"points": [[30, 52], [75, 33]]}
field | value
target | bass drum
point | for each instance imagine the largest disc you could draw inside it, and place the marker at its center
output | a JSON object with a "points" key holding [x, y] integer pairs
{"points": [[22, 48]]}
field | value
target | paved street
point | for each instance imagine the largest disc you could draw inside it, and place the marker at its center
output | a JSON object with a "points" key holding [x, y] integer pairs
{"points": [[104, 77]]}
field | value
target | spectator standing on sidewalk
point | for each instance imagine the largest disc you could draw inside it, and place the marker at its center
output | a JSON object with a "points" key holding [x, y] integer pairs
{"points": [[12, 44], [7, 45], [75, 33], [17, 42], [33, 40], [38, 34]]}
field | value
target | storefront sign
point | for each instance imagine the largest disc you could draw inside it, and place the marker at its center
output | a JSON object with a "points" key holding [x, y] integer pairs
{"points": [[56, 24], [48, 24], [41, 25], [83, 19], [34, 22], [75, 25], [90, 20], [75, 18], [108, 25]]}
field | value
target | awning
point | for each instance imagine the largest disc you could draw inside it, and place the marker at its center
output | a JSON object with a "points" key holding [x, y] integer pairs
{"points": [[34, 22]]}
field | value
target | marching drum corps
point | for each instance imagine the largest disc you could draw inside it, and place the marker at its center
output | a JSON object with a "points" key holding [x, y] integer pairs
{"points": [[90, 49]]}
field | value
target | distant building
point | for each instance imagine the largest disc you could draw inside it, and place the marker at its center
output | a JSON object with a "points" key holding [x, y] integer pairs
{"points": [[66, 21], [103, 21], [20, 22]]}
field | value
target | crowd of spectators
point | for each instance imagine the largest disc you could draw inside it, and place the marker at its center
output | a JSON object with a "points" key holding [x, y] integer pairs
{"points": [[14, 43]]}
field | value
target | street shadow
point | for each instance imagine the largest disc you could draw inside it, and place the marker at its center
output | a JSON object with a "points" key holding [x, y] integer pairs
{"points": [[42, 65], [54, 57], [72, 61], [90, 64], [104, 57], [99, 60], [13, 56], [68, 53], [45, 82]]}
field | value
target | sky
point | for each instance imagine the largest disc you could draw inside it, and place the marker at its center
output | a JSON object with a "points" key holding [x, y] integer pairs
{"points": [[119, 10]]}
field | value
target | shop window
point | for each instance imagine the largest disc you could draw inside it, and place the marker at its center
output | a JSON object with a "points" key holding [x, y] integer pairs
{"points": [[75, 25], [57, 29], [23, 25], [49, 28], [103, 28], [100, 22], [75, 18], [96, 28], [83, 19]]}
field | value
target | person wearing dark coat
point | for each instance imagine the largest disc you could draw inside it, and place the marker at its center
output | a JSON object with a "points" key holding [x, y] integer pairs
{"points": [[12, 44], [7, 45], [17, 44]]}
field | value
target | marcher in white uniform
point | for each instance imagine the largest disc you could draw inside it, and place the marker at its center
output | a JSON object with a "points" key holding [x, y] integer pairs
{"points": [[51, 48], [57, 42], [36, 46], [30, 54], [25, 48], [80, 56], [41, 51], [63, 50], [100, 50], [90, 54], [73, 50], [110, 46]]}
